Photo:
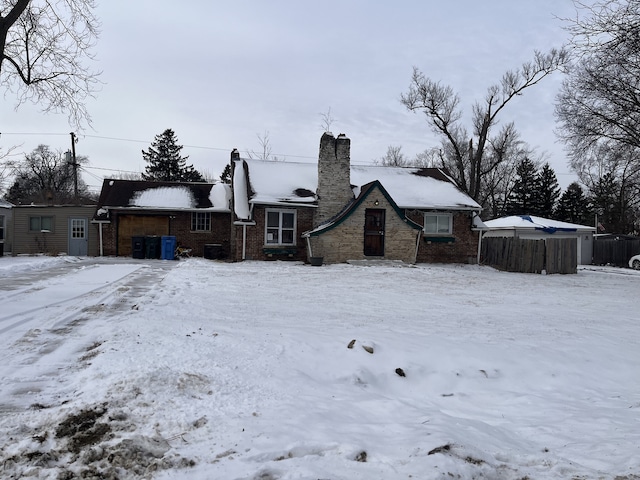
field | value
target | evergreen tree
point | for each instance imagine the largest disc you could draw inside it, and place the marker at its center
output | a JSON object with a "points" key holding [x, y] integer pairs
{"points": [[612, 205], [524, 198], [548, 193], [225, 176], [164, 162], [573, 206]]}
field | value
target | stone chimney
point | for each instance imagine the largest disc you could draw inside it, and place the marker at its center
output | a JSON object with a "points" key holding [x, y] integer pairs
{"points": [[334, 179]]}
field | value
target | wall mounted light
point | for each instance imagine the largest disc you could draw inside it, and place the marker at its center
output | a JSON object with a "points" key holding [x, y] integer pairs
{"points": [[376, 203]]}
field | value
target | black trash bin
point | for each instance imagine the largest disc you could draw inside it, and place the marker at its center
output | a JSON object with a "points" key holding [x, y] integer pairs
{"points": [[152, 246], [212, 251], [1, 249], [137, 247]]}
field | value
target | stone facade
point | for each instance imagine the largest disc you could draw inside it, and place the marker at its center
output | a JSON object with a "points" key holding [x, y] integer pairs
{"points": [[345, 241], [334, 183]]}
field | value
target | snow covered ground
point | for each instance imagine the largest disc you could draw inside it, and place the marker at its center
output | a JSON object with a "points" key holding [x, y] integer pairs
{"points": [[198, 369]]}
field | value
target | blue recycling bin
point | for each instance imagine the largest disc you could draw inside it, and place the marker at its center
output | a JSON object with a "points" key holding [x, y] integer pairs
{"points": [[168, 247]]}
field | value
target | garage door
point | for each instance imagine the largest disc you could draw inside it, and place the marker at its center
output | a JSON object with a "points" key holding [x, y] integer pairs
{"points": [[135, 225]]}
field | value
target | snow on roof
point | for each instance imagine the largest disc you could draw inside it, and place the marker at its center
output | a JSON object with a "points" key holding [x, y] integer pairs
{"points": [[164, 197], [277, 182], [532, 222], [288, 182], [410, 190], [220, 196]]}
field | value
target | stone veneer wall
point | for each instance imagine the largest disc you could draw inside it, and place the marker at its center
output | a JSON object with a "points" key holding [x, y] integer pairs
{"points": [[346, 241], [334, 182], [463, 250]]}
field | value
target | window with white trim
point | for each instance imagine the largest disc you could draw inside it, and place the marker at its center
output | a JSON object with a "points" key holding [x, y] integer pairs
{"points": [[38, 224], [437, 223], [201, 221], [280, 227]]}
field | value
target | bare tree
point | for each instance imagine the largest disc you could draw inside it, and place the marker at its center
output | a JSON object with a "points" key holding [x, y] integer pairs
{"points": [[43, 47], [600, 99], [46, 176], [466, 154], [265, 149], [393, 158], [327, 120]]}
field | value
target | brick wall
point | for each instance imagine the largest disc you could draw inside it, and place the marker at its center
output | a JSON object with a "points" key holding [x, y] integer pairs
{"points": [[255, 238], [180, 227], [464, 248]]}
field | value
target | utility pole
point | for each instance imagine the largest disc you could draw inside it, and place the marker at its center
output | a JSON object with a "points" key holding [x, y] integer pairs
{"points": [[75, 166]]}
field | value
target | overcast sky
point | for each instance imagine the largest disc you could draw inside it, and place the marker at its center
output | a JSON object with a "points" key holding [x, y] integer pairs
{"points": [[221, 73]]}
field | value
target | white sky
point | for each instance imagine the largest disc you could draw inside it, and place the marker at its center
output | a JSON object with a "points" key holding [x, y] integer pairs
{"points": [[220, 73]]}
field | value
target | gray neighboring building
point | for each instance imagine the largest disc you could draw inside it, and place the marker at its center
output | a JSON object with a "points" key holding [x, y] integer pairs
{"points": [[54, 230], [5, 222]]}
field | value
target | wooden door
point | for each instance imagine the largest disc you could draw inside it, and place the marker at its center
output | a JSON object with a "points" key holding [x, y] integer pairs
{"points": [[374, 232]]}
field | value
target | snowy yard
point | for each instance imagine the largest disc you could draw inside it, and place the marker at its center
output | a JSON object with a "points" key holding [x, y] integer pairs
{"points": [[121, 368]]}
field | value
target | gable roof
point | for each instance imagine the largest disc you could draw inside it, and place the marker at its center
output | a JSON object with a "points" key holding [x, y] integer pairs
{"points": [[290, 183], [5, 204], [172, 196], [531, 222], [364, 193]]}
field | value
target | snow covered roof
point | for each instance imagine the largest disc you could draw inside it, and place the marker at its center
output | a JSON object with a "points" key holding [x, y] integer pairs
{"points": [[139, 194], [274, 183], [5, 204], [530, 222]]}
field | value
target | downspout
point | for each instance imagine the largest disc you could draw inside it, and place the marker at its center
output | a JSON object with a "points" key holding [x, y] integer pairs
{"points": [[244, 241], [100, 236], [479, 246], [415, 256], [309, 252]]}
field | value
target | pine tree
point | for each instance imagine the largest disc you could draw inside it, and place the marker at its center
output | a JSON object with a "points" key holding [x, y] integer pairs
{"points": [[524, 198], [164, 162], [548, 193], [573, 206], [225, 176]]}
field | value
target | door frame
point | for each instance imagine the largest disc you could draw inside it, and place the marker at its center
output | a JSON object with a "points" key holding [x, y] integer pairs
{"points": [[370, 233], [78, 246]]}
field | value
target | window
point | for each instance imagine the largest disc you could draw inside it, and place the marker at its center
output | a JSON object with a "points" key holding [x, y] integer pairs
{"points": [[201, 222], [1, 227], [77, 228], [37, 224], [437, 223], [281, 227]]}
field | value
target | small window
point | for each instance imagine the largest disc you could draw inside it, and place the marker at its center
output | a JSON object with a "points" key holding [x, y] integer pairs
{"points": [[280, 227], [1, 227], [38, 224], [437, 223], [201, 222]]}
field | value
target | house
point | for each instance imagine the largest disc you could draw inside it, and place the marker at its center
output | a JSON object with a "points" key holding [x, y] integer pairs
{"points": [[340, 212], [537, 228], [5, 221], [198, 215], [53, 230]]}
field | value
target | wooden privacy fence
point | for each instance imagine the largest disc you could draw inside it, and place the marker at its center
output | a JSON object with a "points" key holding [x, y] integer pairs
{"points": [[615, 251], [553, 255]]}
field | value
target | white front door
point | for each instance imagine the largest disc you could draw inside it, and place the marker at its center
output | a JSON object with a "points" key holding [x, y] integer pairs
{"points": [[78, 238]]}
